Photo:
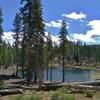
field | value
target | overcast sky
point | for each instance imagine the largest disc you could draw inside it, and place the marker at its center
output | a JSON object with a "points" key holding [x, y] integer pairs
{"points": [[82, 18]]}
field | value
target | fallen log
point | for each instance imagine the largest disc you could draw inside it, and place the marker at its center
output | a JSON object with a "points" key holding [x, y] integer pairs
{"points": [[10, 91], [75, 88], [10, 87], [97, 88], [34, 87], [93, 83]]}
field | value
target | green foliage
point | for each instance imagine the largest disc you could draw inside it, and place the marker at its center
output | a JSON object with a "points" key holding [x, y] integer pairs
{"points": [[1, 83], [6, 54], [69, 97], [16, 36], [33, 96], [55, 96], [1, 29], [63, 39], [62, 90], [33, 27], [63, 45], [16, 98], [61, 96], [89, 93]]}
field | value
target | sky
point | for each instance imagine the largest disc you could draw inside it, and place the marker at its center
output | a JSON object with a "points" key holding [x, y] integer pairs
{"points": [[82, 18]]}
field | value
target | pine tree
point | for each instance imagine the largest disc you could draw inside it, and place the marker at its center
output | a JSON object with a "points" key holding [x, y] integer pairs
{"points": [[27, 16], [34, 26], [1, 34], [1, 29], [63, 45], [16, 36], [38, 40]]}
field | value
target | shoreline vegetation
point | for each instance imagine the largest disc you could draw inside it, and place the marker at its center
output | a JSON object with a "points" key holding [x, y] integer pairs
{"points": [[85, 67]]}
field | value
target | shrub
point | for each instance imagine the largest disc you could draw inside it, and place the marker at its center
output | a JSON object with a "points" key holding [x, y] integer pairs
{"points": [[65, 90], [55, 96], [62, 90], [68, 97], [61, 96], [1, 83], [16, 98], [89, 93], [34, 96]]}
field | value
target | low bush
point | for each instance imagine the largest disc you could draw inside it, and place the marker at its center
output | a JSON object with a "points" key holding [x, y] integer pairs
{"points": [[69, 97], [16, 98], [62, 90], [33, 96], [55, 96], [61, 96], [89, 93], [1, 83]]}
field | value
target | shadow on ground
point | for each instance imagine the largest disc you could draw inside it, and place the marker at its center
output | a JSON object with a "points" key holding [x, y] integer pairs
{"points": [[8, 77]]}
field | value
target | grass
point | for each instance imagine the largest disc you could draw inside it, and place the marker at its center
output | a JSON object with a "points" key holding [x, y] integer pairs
{"points": [[89, 93], [16, 98], [61, 96], [66, 90], [52, 95], [33, 96]]}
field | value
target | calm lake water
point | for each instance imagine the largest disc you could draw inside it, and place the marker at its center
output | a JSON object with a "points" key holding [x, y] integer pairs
{"points": [[71, 75]]}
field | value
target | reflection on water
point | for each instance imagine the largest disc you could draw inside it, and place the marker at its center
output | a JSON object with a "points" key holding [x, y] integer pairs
{"points": [[71, 75]]}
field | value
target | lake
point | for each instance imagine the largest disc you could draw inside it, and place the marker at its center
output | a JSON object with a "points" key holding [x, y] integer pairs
{"points": [[71, 75]]}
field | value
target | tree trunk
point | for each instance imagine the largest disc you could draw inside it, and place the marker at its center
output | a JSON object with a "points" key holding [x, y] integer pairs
{"points": [[23, 75], [17, 60], [63, 80], [35, 77], [29, 70], [51, 72], [47, 71]]}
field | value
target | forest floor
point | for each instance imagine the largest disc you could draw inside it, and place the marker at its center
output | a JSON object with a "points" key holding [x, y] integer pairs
{"points": [[6, 75]]}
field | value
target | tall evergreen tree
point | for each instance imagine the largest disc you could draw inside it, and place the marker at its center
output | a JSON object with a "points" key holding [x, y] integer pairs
{"points": [[27, 14], [1, 29], [16, 36], [63, 46], [34, 26], [39, 39], [1, 33]]}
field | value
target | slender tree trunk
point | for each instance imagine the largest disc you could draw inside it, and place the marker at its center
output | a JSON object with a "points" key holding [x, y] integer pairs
{"points": [[63, 64], [36, 63], [35, 77], [17, 60], [23, 76], [23, 56], [40, 77], [47, 71], [29, 70], [51, 72], [23, 65]]}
